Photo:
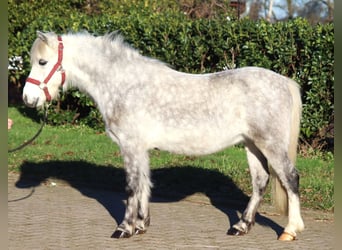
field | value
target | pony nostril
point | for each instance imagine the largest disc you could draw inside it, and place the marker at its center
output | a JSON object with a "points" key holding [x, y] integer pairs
{"points": [[31, 104], [25, 99]]}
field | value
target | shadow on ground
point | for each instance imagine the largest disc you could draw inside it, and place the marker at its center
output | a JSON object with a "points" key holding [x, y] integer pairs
{"points": [[31, 113], [170, 184]]}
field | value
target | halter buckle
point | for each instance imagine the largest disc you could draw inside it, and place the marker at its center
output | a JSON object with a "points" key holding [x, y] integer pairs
{"points": [[42, 85], [60, 69]]}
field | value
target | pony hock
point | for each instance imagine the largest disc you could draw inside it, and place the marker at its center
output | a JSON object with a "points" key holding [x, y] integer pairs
{"points": [[145, 105]]}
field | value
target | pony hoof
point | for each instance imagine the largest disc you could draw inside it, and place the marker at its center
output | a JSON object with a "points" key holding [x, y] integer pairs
{"points": [[139, 231], [286, 237], [119, 234], [233, 231]]}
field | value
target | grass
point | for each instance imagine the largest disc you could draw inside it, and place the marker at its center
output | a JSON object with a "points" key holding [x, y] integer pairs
{"points": [[78, 154]]}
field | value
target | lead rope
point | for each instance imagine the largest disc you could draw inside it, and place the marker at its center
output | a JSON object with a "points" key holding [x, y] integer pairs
{"points": [[36, 135]]}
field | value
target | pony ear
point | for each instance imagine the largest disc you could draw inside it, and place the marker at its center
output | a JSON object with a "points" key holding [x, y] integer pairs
{"points": [[42, 36]]}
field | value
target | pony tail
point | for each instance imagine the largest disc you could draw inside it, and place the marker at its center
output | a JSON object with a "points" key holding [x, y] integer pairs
{"points": [[279, 194], [295, 121]]}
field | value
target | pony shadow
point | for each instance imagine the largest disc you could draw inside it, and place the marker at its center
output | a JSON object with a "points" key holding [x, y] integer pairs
{"points": [[31, 113], [171, 184]]}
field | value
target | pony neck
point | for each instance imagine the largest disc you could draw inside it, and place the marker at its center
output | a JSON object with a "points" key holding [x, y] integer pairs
{"points": [[100, 67]]}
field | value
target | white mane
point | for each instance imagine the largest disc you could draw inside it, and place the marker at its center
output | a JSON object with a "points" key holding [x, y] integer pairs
{"points": [[114, 47]]}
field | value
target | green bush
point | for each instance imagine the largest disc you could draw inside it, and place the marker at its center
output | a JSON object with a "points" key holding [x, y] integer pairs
{"points": [[295, 48]]}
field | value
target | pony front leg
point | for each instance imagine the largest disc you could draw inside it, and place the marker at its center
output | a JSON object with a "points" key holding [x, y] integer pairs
{"points": [[137, 216], [260, 176]]}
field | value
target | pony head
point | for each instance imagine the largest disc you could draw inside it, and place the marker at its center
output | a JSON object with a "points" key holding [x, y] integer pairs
{"points": [[47, 74]]}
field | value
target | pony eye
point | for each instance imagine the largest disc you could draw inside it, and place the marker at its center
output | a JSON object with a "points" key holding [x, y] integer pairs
{"points": [[42, 62]]}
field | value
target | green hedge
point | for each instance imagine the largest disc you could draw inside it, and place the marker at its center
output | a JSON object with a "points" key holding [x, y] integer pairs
{"points": [[295, 48]]}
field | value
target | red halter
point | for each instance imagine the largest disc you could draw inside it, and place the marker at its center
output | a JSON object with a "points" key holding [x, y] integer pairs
{"points": [[57, 67]]}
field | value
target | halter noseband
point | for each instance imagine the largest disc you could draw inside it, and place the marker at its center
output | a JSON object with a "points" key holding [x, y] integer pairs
{"points": [[57, 67]]}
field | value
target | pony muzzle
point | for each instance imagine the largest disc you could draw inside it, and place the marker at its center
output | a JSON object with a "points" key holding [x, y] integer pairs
{"points": [[32, 94], [29, 102], [41, 85]]}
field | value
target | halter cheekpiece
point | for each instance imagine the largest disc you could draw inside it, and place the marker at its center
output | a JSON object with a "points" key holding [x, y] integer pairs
{"points": [[57, 67]]}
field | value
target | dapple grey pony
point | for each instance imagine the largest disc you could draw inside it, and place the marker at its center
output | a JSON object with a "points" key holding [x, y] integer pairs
{"points": [[145, 105]]}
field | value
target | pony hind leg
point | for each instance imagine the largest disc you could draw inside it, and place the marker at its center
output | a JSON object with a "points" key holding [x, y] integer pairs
{"points": [[260, 176], [137, 216], [289, 178]]}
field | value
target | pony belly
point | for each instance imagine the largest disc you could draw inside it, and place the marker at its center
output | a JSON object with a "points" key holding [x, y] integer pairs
{"points": [[198, 145]]}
